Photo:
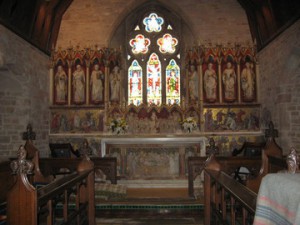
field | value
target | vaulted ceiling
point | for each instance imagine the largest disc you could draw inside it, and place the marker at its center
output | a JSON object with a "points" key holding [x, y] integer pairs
{"points": [[38, 21]]}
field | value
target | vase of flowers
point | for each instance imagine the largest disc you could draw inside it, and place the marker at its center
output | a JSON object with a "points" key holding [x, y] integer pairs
{"points": [[118, 126], [189, 124]]}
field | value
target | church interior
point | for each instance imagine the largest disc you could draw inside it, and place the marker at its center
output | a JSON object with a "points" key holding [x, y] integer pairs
{"points": [[156, 94]]}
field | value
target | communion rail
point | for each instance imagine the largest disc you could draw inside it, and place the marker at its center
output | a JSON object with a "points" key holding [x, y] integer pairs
{"points": [[68, 200], [226, 200]]}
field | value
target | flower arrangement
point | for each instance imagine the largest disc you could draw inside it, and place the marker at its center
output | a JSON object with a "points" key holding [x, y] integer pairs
{"points": [[189, 124], [118, 126]]}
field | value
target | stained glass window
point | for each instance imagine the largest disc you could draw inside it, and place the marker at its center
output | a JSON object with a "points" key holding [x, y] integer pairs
{"points": [[154, 80], [139, 44], [153, 55], [167, 44], [173, 83], [135, 84], [153, 23]]}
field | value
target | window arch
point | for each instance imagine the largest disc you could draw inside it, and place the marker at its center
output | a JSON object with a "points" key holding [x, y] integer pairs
{"points": [[153, 45]]}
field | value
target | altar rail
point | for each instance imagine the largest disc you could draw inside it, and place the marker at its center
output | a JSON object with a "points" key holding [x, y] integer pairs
{"points": [[29, 205], [53, 166], [229, 165], [226, 200]]}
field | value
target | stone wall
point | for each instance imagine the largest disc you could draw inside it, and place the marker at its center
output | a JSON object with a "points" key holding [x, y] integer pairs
{"points": [[24, 91], [95, 21], [280, 82]]}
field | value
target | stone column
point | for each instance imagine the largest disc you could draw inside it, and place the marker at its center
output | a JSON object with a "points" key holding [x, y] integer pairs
{"points": [[181, 161]]}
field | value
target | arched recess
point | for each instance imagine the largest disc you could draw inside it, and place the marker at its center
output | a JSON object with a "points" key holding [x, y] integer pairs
{"points": [[127, 30]]}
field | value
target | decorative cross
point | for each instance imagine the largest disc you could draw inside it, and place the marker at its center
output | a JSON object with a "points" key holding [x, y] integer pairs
{"points": [[271, 132], [29, 134]]}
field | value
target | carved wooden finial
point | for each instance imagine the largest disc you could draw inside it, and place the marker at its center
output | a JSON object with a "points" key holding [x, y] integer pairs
{"points": [[292, 161], [212, 149], [29, 134], [21, 165], [271, 132]]}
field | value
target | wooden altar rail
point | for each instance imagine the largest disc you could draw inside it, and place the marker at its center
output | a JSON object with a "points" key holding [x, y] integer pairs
{"points": [[226, 200], [28, 205], [52, 166], [229, 165], [46, 167], [271, 160], [222, 191]]}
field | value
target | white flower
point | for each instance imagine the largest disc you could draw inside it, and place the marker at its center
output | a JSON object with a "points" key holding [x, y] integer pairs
{"points": [[118, 126], [189, 124]]}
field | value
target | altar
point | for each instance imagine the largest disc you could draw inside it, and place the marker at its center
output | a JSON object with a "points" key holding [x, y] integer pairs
{"points": [[153, 161]]}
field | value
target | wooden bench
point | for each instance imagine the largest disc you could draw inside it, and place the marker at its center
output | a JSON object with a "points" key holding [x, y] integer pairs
{"points": [[258, 166], [46, 170], [229, 165], [223, 192], [53, 166], [28, 205], [272, 159], [7, 181], [226, 200]]}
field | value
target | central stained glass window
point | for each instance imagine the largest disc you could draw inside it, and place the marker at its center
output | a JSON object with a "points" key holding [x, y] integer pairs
{"points": [[154, 71]]}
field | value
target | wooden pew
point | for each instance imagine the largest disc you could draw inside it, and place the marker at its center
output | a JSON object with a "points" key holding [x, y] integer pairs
{"points": [[7, 181], [46, 169], [226, 200], [258, 166], [229, 165], [218, 184], [26, 204], [272, 159], [53, 166]]}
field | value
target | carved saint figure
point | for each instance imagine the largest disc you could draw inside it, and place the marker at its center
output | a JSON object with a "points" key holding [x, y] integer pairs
{"points": [[247, 81], [229, 80], [79, 84], [97, 84], [115, 80], [210, 83], [193, 83], [153, 123], [61, 80]]}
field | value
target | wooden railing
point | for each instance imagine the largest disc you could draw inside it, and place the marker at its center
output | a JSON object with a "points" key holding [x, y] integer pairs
{"points": [[30, 205], [227, 201], [52, 166], [229, 165]]}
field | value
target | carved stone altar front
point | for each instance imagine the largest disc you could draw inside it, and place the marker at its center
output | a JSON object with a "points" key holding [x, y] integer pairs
{"points": [[153, 158]]}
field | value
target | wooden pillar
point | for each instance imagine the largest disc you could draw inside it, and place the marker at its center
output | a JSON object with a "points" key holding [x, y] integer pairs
{"points": [[207, 196]]}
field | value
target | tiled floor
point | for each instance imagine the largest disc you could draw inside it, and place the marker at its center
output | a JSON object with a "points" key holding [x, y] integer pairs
{"points": [[152, 206], [149, 221], [162, 217]]}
